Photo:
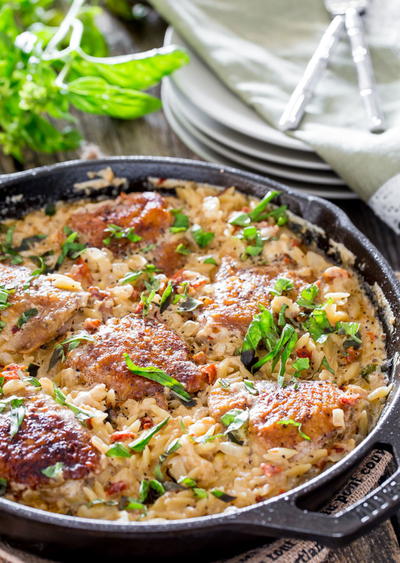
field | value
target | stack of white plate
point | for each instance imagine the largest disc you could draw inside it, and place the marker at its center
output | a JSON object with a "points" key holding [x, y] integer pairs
{"points": [[219, 127]]}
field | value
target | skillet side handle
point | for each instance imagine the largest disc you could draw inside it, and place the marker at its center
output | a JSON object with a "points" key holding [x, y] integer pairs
{"points": [[332, 530], [283, 518]]}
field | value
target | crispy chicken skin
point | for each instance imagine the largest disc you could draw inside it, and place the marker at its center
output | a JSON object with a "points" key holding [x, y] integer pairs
{"points": [[238, 291], [48, 434], [148, 343], [145, 212], [55, 307], [311, 405]]}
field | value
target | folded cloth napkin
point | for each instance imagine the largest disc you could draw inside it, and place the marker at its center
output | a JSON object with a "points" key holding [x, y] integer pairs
{"points": [[260, 48]]}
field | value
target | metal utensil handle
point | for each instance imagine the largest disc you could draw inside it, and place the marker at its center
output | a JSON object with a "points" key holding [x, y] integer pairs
{"points": [[303, 92], [362, 60]]}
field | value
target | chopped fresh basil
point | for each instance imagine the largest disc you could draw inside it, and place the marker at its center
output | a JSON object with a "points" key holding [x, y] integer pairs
{"points": [[208, 260], [189, 304], [282, 350], [79, 413], [2, 325], [187, 482], [318, 325], [181, 221], [26, 315], [282, 285], [33, 381], [352, 330], [3, 486], [140, 443], [290, 345], [132, 504], [160, 376], [42, 269], [116, 232], [291, 422], [171, 448], [282, 315], [70, 248], [118, 450], [307, 297], [199, 493], [300, 365], [28, 242], [221, 495], [166, 297], [182, 249], [367, 370], [202, 238], [132, 277], [50, 209], [71, 343], [17, 415], [325, 364], [256, 214], [99, 501], [279, 214], [148, 248], [236, 421], [249, 385], [53, 471], [262, 328], [7, 250], [4, 295]]}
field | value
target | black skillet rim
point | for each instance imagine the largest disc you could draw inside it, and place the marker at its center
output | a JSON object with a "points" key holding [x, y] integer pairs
{"points": [[221, 520]]}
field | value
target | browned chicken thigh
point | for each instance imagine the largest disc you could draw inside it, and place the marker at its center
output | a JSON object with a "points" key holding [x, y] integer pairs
{"points": [[148, 343], [36, 311]]}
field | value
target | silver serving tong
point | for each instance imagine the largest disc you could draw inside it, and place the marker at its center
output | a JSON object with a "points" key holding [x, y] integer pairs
{"points": [[346, 15]]}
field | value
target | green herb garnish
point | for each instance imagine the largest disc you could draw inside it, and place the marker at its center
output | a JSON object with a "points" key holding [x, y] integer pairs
{"points": [[281, 286], [291, 422], [26, 315], [300, 365], [166, 297], [250, 387], [71, 343], [81, 415], [140, 443], [160, 376], [117, 233], [70, 248], [53, 471], [325, 364], [17, 415], [352, 330], [307, 297], [208, 260], [202, 238], [181, 221], [182, 249], [318, 325], [256, 214], [367, 370], [222, 496]]}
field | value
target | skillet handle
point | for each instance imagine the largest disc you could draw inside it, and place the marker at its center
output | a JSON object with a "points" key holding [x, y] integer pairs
{"points": [[283, 518]]}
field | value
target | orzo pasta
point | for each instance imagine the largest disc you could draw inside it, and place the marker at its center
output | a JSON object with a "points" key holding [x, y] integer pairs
{"points": [[170, 356]]}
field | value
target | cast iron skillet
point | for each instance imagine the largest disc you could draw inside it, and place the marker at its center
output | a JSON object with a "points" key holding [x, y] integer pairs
{"points": [[67, 537]]}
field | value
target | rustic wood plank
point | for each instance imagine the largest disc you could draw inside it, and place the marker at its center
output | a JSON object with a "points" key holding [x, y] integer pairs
{"points": [[152, 135]]}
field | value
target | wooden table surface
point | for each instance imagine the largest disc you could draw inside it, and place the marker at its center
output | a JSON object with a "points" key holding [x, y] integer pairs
{"points": [[153, 136]]}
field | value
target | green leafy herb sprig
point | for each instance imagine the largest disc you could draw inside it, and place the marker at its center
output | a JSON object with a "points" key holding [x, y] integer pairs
{"points": [[54, 63]]}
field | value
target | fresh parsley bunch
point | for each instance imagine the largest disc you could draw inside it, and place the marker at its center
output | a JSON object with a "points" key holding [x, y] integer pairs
{"points": [[51, 63]]}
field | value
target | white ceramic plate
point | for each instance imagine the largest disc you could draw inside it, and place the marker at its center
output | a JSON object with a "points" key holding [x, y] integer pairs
{"points": [[281, 171], [211, 96], [238, 141], [208, 154]]}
